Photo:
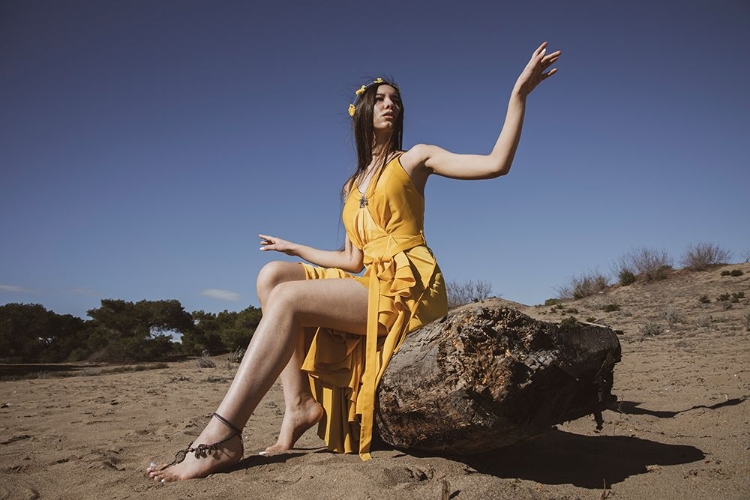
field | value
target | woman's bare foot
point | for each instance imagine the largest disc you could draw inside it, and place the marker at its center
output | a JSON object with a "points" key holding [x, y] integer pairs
{"points": [[227, 453], [296, 421]]}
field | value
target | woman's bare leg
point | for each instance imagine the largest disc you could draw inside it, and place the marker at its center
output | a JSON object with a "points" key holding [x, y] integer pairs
{"points": [[340, 304], [301, 410]]}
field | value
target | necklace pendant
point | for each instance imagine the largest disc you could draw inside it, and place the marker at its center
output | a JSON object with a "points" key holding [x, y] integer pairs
{"points": [[363, 202]]}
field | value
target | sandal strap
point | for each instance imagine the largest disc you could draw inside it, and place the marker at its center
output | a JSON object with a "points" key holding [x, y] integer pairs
{"points": [[228, 424], [201, 451]]}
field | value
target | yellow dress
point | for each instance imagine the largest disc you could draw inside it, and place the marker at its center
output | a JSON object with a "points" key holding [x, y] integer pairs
{"points": [[406, 291]]}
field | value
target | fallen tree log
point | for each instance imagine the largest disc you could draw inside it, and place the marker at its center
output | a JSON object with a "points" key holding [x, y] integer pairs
{"points": [[487, 375]]}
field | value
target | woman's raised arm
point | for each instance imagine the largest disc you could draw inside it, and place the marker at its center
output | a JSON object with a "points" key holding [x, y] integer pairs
{"points": [[422, 160], [349, 259]]}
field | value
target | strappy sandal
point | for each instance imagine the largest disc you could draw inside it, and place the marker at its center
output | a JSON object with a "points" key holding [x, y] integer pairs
{"points": [[203, 450]]}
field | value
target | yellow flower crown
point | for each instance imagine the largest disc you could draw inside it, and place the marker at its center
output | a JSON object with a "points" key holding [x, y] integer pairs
{"points": [[360, 91]]}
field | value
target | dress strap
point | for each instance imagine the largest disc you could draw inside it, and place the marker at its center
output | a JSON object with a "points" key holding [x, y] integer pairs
{"points": [[375, 178]]}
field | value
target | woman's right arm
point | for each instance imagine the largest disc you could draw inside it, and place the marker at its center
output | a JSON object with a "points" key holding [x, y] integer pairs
{"points": [[349, 259], [423, 160]]}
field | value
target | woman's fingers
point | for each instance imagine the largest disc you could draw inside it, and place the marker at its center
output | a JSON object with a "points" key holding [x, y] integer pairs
{"points": [[267, 241], [551, 58], [272, 243], [538, 69], [547, 61]]}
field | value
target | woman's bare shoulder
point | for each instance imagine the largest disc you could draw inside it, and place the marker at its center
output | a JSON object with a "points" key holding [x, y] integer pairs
{"points": [[415, 158], [412, 157]]}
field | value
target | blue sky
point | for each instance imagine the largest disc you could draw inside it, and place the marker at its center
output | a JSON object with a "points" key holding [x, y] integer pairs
{"points": [[145, 144]]}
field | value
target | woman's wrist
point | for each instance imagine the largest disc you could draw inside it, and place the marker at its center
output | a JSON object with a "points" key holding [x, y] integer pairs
{"points": [[518, 93]]}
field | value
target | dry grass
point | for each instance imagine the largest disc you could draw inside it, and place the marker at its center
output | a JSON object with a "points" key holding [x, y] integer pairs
{"points": [[465, 292], [686, 303], [703, 255], [585, 285], [205, 361], [650, 263]]}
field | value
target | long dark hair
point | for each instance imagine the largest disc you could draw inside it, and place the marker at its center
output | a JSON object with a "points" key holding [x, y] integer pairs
{"points": [[364, 132]]}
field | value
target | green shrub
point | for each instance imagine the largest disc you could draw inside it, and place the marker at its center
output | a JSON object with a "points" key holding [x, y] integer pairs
{"points": [[569, 322], [733, 272], [626, 277], [551, 302], [662, 273], [723, 297], [702, 255], [704, 299], [614, 306], [591, 319], [556, 308]]}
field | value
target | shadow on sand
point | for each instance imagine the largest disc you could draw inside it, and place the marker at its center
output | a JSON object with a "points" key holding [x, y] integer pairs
{"points": [[254, 458], [633, 408], [20, 369], [560, 457], [557, 457]]}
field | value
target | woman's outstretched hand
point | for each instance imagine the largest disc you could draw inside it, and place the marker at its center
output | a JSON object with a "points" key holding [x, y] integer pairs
{"points": [[277, 245], [534, 72]]}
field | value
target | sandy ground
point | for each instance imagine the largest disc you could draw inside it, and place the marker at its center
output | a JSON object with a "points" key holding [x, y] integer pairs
{"points": [[681, 428]]}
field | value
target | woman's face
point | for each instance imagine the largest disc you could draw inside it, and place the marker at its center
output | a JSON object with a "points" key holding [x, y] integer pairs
{"points": [[387, 107]]}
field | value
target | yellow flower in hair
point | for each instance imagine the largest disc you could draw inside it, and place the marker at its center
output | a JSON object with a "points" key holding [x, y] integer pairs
{"points": [[360, 91]]}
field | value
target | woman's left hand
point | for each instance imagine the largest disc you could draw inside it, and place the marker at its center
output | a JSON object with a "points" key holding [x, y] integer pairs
{"points": [[534, 72], [277, 244]]}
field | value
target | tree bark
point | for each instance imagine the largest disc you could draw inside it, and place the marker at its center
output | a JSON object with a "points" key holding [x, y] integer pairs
{"points": [[487, 375]]}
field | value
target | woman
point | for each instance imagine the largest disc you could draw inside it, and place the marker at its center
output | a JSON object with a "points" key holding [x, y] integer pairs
{"points": [[329, 376]]}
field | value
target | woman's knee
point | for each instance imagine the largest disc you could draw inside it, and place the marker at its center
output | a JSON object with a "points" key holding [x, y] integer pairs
{"points": [[274, 273], [284, 296]]}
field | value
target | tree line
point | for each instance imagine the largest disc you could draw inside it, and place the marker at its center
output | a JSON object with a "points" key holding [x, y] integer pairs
{"points": [[120, 331]]}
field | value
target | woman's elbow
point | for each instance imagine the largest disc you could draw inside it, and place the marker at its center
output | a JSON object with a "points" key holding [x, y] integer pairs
{"points": [[354, 267], [357, 266], [500, 172], [494, 173], [500, 169], [499, 166]]}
